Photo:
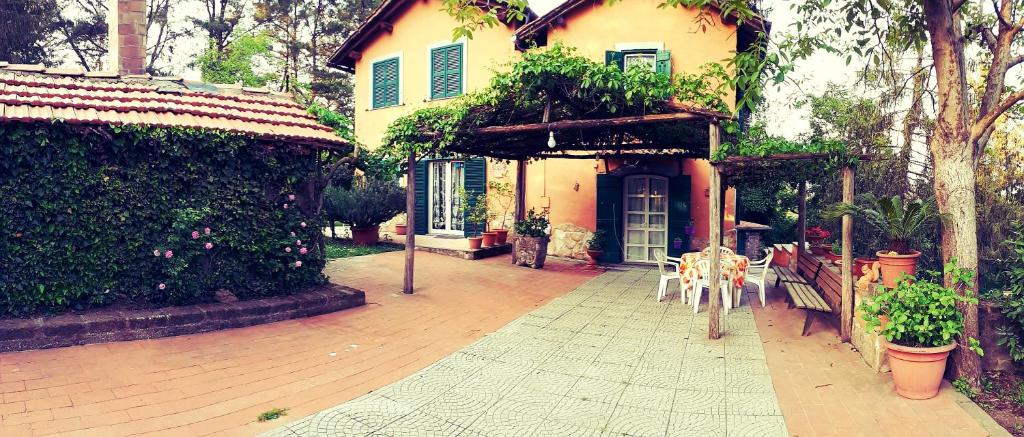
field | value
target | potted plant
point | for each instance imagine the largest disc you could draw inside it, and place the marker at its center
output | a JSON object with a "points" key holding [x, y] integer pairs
{"points": [[920, 320], [860, 263], [595, 246], [476, 213], [401, 228], [835, 253], [816, 236], [530, 246], [365, 206], [503, 194], [899, 222]]}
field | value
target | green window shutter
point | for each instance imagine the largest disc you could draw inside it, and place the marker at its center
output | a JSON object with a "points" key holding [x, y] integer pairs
{"points": [[663, 62], [474, 182], [678, 215], [609, 216], [446, 71], [612, 57], [420, 192], [385, 83]]}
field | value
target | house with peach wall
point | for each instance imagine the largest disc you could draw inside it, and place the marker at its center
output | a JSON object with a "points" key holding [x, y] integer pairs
{"points": [[403, 58]]}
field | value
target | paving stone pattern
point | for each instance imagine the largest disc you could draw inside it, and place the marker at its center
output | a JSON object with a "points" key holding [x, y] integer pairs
{"points": [[606, 359]]}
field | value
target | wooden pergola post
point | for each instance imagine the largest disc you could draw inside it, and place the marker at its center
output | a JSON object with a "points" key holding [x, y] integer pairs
{"points": [[520, 210], [846, 316], [715, 235], [410, 220], [801, 226]]}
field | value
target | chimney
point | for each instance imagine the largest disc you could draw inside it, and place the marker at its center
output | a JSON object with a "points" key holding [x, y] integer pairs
{"points": [[126, 36]]}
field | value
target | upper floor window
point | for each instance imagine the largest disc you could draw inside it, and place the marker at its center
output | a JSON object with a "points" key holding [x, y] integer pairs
{"points": [[446, 71], [659, 61], [386, 83]]}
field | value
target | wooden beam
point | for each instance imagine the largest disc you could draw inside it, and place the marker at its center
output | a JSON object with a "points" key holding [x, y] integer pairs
{"points": [[595, 123], [846, 316], [520, 211], [715, 235], [387, 26], [801, 225], [410, 222], [355, 54]]}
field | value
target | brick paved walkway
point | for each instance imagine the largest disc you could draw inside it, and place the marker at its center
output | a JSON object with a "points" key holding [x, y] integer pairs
{"points": [[605, 359], [217, 383]]}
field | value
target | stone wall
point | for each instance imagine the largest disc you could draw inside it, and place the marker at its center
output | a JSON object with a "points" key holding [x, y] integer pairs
{"points": [[870, 345], [569, 241], [996, 357]]}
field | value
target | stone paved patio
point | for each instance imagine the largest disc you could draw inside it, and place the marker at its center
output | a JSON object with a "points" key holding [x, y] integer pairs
{"points": [[605, 359]]}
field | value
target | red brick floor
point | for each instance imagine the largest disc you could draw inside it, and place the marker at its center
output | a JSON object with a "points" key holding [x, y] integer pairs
{"points": [[217, 383], [825, 389]]}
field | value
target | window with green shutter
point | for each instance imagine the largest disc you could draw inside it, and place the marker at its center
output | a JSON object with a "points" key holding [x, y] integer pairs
{"points": [[446, 71], [658, 60], [385, 83]]}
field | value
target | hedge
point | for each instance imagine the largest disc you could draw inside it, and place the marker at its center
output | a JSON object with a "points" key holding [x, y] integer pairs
{"points": [[94, 215]]}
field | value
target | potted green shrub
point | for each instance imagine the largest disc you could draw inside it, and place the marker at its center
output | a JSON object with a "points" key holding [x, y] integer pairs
{"points": [[530, 246], [899, 222], [503, 194], [835, 252], [595, 246], [477, 213], [365, 206], [920, 320]]}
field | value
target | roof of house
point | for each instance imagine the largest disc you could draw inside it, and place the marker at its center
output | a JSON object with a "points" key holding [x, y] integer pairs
{"points": [[36, 93], [556, 16], [382, 19]]}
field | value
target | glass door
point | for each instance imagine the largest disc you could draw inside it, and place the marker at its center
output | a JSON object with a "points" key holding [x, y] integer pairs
{"points": [[446, 181], [646, 218]]}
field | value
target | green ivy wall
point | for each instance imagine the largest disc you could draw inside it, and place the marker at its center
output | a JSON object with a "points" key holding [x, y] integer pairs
{"points": [[94, 215]]}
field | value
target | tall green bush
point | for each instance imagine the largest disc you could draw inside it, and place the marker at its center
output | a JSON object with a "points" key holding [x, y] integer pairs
{"points": [[86, 211], [368, 203]]}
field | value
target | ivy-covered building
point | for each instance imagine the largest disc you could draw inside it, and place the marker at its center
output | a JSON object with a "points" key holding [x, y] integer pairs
{"points": [[122, 186], [404, 59]]}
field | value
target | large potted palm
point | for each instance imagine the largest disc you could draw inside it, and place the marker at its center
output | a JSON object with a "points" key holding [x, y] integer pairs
{"points": [[365, 206], [899, 222], [921, 323]]}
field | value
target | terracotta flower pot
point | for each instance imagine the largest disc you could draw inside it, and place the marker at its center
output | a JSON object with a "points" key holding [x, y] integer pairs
{"points": [[832, 257], [401, 229], [502, 236], [489, 238], [593, 256], [367, 236], [917, 371], [475, 242], [529, 251], [820, 249], [893, 266], [859, 264]]}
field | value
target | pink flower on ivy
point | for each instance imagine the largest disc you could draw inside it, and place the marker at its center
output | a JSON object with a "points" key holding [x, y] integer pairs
{"points": [[288, 249], [303, 224], [168, 254], [156, 252], [208, 246], [303, 251], [195, 235], [293, 234], [298, 242], [161, 286], [206, 231], [286, 206], [291, 197], [298, 263]]}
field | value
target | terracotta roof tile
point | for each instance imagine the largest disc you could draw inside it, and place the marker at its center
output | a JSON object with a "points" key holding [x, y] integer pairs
{"points": [[30, 92]]}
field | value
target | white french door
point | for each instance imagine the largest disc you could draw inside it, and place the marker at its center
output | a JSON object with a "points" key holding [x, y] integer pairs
{"points": [[446, 181], [646, 218]]}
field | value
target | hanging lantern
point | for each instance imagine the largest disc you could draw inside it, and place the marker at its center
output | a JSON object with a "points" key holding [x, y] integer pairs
{"points": [[551, 140]]}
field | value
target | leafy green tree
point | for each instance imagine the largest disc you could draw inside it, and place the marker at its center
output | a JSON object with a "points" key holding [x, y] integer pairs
{"points": [[238, 62], [25, 30]]}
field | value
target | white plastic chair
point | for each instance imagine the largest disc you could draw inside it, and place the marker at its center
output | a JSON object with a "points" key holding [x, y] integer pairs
{"points": [[722, 250], [757, 271], [667, 274], [725, 287]]}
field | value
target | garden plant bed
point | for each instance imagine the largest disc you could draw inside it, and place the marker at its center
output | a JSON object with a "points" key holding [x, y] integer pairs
{"points": [[108, 324], [1002, 397], [343, 248]]}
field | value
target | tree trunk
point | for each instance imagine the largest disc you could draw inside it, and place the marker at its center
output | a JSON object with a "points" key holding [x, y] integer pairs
{"points": [[954, 166]]}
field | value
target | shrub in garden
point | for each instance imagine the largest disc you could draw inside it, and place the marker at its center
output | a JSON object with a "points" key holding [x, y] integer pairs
{"points": [[368, 203], [1009, 294], [92, 215]]}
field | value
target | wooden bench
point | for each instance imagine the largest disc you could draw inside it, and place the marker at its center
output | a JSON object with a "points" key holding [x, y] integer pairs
{"points": [[801, 295]]}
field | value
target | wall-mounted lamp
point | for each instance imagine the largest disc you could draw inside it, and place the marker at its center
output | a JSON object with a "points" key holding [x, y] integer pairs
{"points": [[707, 192], [576, 186]]}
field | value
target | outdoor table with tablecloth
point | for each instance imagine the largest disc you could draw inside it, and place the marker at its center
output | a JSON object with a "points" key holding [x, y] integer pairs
{"points": [[734, 268]]}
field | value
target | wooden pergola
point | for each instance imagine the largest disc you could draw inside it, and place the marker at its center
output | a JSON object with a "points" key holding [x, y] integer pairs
{"points": [[682, 132]]}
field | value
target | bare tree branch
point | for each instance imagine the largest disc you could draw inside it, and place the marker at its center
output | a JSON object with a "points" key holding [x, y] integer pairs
{"points": [[985, 121]]}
